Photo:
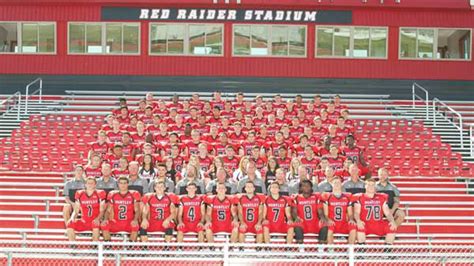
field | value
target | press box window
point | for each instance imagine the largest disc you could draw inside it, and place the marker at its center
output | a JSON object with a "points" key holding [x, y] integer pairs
{"points": [[186, 39], [269, 40], [104, 38], [28, 37], [351, 42], [429, 43]]}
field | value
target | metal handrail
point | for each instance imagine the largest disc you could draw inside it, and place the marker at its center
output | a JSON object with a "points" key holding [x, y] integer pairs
{"points": [[416, 96], [40, 90], [454, 112], [471, 138], [18, 103]]}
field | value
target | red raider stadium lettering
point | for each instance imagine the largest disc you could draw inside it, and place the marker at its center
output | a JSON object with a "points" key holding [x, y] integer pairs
{"points": [[204, 14]]}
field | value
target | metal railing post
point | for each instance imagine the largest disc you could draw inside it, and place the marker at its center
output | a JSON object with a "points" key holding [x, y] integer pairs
{"points": [[351, 255], [19, 106], [427, 105], [426, 99], [461, 135], [9, 259], [471, 140], [41, 91], [434, 111], [27, 89], [226, 253], [100, 254]]}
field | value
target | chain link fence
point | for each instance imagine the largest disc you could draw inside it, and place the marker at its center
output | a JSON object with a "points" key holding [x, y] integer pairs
{"points": [[195, 254]]}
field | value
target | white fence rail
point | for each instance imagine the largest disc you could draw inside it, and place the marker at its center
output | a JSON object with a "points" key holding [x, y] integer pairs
{"points": [[126, 253]]}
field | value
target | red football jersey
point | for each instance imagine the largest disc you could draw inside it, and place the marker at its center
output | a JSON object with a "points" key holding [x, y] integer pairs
{"points": [[205, 163], [191, 208], [161, 138], [250, 207], [307, 208], [284, 163], [276, 210], [90, 205], [178, 163], [114, 136], [95, 172], [336, 163], [311, 165], [160, 208], [100, 149], [231, 164], [221, 210], [123, 205], [237, 138], [353, 153], [343, 132], [337, 206], [113, 160], [371, 209]]}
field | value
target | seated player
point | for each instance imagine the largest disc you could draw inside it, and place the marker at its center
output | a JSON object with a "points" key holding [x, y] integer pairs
{"points": [[277, 214], [221, 215], [191, 214], [90, 204], [122, 211], [159, 212], [338, 212], [69, 192], [306, 212], [250, 211], [369, 209]]}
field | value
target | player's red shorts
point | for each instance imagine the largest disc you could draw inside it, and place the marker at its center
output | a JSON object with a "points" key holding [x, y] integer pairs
{"points": [[222, 228], [251, 229], [157, 226], [380, 228], [277, 227], [190, 228], [82, 225], [119, 226], [309, 227], [342, 227]]}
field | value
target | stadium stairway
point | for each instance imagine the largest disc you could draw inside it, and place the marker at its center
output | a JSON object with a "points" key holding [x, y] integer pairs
{"points": [[444, 122], [12, 118]]}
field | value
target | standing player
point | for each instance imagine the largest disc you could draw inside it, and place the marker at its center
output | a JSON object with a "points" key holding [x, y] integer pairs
{"points": [[277, 214], [159, 212], [191, 214], [90, 203], [221, 215], [369, 209], [250, 211], [306, 211], [338, 211], [122, 211]]}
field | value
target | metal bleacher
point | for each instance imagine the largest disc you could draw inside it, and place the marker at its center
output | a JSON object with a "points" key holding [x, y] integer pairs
{"points": [[439, 202]]}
